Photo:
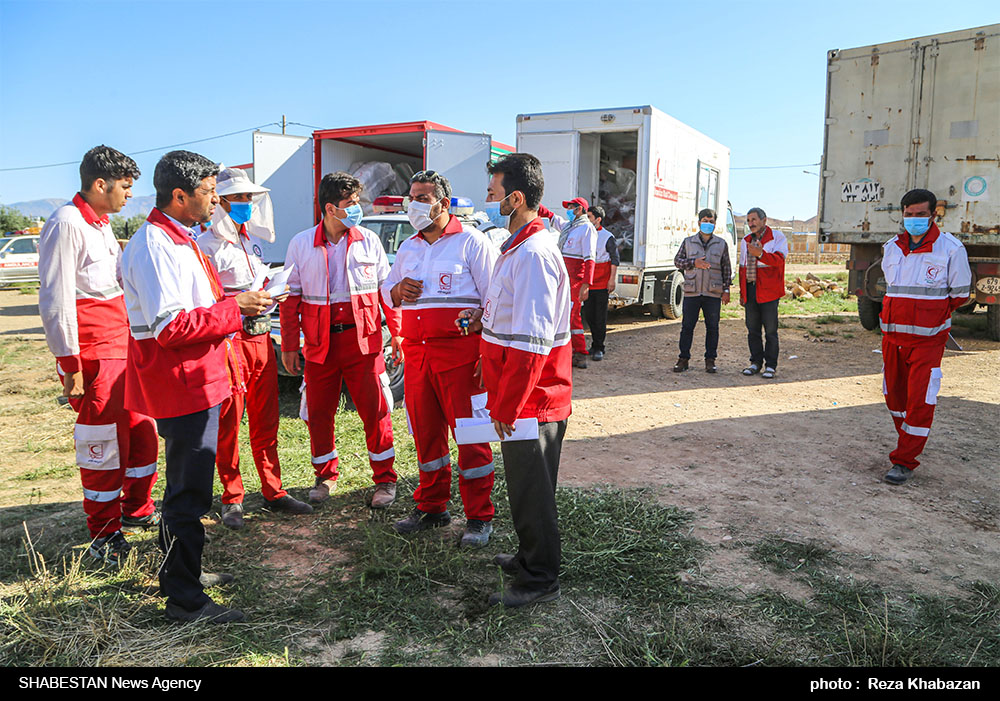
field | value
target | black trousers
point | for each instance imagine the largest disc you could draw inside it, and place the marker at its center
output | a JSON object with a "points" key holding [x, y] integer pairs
{"points": [[190, 445], [764, 355], [532, 468], [595, 311], [712, 307]]}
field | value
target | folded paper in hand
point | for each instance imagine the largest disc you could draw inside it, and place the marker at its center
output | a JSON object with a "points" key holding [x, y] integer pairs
{"points": [[480, 430]]}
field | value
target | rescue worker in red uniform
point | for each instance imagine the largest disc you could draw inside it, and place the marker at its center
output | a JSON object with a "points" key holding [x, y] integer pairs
{"points": [[181, 367], [444, 268], [595, 307], [86, 327], [527, 372], [334, 303], [927, 277], [578, 244], [244, 212]]}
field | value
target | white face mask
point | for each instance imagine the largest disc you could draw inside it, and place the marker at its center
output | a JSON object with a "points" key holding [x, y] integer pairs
{"points": [[419, 215]]}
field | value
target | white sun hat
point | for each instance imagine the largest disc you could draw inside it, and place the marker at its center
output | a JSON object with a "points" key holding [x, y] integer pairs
{"points": [[234, 181]]}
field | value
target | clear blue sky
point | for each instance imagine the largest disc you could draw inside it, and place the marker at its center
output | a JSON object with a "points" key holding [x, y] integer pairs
{"points": [[142, 74]]}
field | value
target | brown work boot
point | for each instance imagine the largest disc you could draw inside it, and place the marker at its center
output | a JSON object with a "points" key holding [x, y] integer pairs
{"points": [[579, 360], [232, 516], [710, 365], [322, 491], [385, 495], [682, 365]]}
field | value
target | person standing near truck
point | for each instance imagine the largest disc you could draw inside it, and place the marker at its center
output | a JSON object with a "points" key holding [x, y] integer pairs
{"points": [[578, 244], [181, 365], [927, 277], [442, 269], [227, 244], [82, 307], [606, 262], [762, 284], [704, 258], [526, 369], [334, 303]]}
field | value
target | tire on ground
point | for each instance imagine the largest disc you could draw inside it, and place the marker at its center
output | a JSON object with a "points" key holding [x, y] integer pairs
{"points": [[993, 322], [675, 294], [868, 311]]}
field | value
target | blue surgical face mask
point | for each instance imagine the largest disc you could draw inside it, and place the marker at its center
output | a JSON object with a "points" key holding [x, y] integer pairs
{"points": [[706, 227], [571, 214], [916, 226], [354, 216], [492, 210], [240, 212]]}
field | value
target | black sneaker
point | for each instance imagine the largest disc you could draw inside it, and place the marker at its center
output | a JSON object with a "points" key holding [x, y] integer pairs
{"points": [[111, 549], [420, 521], [477, 533], [209, 613], [289, 505], [141, 523], [898, 474], [506, 562]]}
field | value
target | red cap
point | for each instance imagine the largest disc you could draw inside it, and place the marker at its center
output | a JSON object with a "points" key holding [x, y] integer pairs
{"points": [[577, 202]]}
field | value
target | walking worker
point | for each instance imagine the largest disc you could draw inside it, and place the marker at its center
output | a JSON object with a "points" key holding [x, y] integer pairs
{"points": [[526, 369], [86, 327], [762, 284], [334, 303], [245, 212], [578, 244], [181, 365], [443, 268], [927, 277], [606, 262], [704, 258]]}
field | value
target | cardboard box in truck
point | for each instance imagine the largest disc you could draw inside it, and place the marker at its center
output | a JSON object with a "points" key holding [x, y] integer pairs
{"points": [[650, 172], [383, 156], [917, 113]]}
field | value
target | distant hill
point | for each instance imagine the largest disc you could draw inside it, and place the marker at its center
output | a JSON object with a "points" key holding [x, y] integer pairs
{"points": [[797, 225], [44, 208]]}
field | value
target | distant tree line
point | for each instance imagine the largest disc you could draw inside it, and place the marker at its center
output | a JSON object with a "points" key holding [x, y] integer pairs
{"points": [[124, 228], [11, 219]]}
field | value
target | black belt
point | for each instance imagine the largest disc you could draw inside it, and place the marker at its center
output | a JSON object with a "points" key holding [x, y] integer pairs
{"points": [[339, 328]]}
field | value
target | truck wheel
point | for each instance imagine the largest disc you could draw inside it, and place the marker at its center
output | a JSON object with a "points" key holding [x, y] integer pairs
{"points": [[993, 321], [868, 311], [675, 293]]}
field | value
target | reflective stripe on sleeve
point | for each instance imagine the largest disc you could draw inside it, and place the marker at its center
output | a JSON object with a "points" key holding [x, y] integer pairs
{"points": [[916, 291], [915, 330]]}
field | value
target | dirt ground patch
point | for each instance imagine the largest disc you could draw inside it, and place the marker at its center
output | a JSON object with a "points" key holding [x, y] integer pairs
{"points": [[799, 457]]}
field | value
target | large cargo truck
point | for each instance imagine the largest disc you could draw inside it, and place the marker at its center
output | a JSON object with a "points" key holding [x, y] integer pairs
{"points": [[651, 173], [381, 154], [917, 113]]}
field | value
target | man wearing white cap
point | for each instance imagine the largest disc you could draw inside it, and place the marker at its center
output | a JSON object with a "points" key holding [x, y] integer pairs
{"points": [[245, 212]]}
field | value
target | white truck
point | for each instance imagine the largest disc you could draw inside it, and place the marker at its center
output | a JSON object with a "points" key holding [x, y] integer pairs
{"points": [[292, 167], [917, 113], [651, 173]]}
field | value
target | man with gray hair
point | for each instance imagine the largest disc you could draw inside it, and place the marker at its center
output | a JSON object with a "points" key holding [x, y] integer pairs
{"points": [[181, 366], [762, 284]]}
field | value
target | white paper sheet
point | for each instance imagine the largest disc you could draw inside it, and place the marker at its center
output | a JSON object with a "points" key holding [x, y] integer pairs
{"points": [[276, 286], [480, 430]]}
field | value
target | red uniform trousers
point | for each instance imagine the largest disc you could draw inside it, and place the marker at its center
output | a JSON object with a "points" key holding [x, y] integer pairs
{"points": [[435, 397], [911, 380], [116, 449], [261, 404], [574, 266], [368, 384]]}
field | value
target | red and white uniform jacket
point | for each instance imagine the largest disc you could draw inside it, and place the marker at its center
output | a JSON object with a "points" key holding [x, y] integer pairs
{"points": [[770, 283], [178, 361], [607, 256], [232, 254], [455, 271], [526, 350], [307, 309], [578, 244], [80, 301], [923, 287]]}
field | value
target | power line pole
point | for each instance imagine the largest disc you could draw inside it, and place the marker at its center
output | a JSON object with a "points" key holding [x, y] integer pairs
{"points": [[284, 123]]}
